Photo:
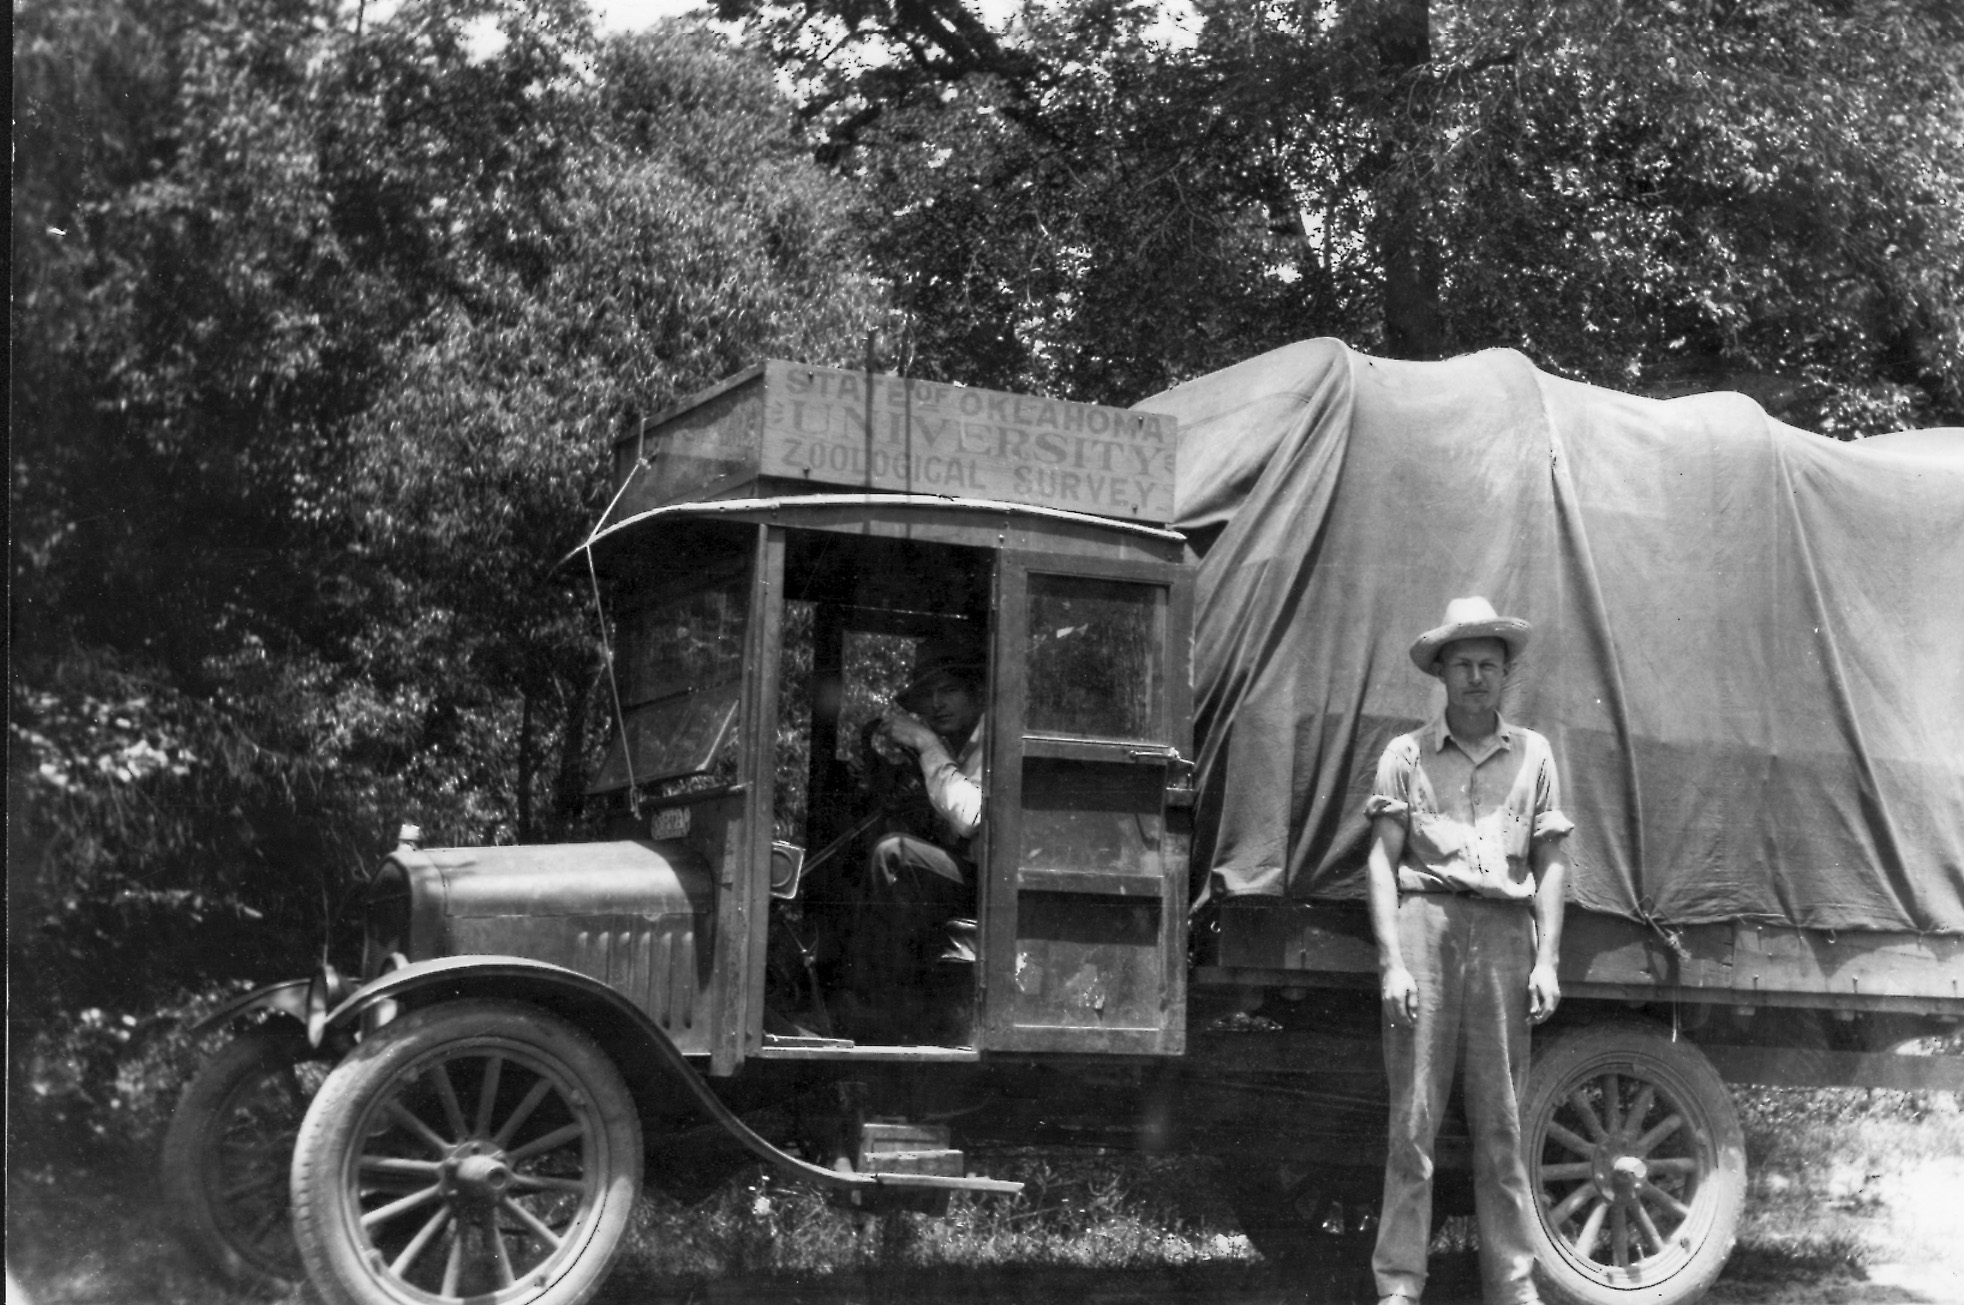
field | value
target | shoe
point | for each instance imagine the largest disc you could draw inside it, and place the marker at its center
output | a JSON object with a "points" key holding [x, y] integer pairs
{"points": [[960, 949]]}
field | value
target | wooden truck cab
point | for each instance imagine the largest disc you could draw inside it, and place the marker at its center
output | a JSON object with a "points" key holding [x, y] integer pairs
{"points": [[764, 619]]}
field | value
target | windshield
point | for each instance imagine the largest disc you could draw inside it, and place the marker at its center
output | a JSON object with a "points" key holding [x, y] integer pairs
{"points": [[680, 674]]}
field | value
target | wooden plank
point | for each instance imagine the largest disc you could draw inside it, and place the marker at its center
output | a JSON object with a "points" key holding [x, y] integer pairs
{"points": [[1787, 1067], [795, 1049], [1121, 1039], [1222, 976], [943, 1183], [1001, 839], [835, 427], [1284, 935], [972, 523], [1607, 949], [1078, 749], [743, 908], [704, 446], [1769, 958], [633, 447], [1103, 882]]}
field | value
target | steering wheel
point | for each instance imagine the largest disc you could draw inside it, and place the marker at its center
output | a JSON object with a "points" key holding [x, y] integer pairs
{"points": [[893, 778]]}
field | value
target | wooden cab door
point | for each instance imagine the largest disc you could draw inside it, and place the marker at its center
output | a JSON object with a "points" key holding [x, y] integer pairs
{"points": [[1084, 924]]}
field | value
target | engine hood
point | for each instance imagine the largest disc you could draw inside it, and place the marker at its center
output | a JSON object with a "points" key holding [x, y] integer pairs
{"points": [[629, 877], [637, 915]]}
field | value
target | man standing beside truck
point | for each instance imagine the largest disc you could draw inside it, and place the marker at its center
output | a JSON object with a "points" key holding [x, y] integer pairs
{"points": [[1466, 879]]}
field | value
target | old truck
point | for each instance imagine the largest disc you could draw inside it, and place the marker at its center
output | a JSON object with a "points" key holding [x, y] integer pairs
{"points": [[1194, 613]]}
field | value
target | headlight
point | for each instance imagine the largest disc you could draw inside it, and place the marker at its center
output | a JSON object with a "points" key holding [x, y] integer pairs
{"points": [[326, 990], [387, 1009], [385, 923]]}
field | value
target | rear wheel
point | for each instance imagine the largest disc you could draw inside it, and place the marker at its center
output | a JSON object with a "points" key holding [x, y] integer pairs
{"points": [[227, 1153], [475, 1150], [1638, 1165]]}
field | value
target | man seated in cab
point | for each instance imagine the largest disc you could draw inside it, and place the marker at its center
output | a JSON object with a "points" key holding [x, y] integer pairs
{"points": [[927, 878]]}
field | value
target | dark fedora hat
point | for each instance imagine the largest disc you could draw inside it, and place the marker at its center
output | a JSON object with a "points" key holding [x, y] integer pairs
{"points": [[957, 658]]}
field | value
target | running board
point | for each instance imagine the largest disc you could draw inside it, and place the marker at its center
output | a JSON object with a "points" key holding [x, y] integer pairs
{"points": [[944, 1183], [776, 1047], [917, 1157]]}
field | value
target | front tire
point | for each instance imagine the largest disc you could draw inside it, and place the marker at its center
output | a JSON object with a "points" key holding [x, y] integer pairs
{"points": [[1638, 1165], [473, 1150], [227, 1154]]}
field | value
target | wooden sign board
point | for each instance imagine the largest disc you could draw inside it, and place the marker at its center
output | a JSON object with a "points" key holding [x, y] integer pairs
{"points": [[846, 429], [789, 427]]}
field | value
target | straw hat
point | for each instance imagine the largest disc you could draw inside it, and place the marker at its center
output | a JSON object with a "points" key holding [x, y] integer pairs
{"points": [[1469, 618]]}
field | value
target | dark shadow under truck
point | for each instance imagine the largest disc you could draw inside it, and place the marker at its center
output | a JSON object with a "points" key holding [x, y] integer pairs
{"points": [[535, 1031]]}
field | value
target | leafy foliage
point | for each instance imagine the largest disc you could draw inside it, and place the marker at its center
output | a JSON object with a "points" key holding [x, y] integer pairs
{"points": [[1772, 187], [322, 326], [1658, 195], [1100, 242], [326, 327]]}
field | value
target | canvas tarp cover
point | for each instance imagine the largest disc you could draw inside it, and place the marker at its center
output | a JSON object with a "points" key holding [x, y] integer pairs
{"points": [[1748, 646]]}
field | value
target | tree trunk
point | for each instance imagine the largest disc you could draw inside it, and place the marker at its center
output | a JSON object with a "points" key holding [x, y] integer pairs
{"points": [[527, 764], [1414, 327], [569, 786]]}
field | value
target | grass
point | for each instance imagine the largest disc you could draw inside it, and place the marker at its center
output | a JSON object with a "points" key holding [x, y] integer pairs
{"points": [[1854, 1201], [1078, 1214], [1850, 1186], [97, 1235]]}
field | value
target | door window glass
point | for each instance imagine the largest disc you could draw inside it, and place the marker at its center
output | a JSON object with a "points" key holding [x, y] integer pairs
{"points": [[1091, 816], [1095, 658]]}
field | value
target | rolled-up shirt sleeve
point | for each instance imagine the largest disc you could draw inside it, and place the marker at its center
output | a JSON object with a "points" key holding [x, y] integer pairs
{"points": [[1549, 820], [1391, 790], [1378, 805], [955, 794]]}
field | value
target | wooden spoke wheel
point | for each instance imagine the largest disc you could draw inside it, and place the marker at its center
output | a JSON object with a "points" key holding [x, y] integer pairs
{"points": [[1637, 1162], [227, 1152], [474, 1150]]}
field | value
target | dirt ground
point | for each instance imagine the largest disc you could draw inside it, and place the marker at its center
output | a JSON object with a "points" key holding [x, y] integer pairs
{"points": [[1868, 1213], [136, 1264], [1252, 1285]]}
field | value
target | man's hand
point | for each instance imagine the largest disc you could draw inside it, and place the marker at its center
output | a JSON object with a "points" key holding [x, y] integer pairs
{"points": [[907, 729], [1544, 993], [1399, 994]]}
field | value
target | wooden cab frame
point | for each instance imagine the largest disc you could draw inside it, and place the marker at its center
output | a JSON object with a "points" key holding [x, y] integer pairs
{"points": [[1083, 858]]}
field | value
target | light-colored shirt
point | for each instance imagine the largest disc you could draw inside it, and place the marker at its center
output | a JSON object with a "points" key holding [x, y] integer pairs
{"points": [[1472, 812], [954, 785]]}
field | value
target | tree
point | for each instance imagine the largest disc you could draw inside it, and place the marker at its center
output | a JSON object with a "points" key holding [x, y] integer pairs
{"points": [[1644, 193], [1118, 231], [1771, 187], [321, 347], [697, 239]]}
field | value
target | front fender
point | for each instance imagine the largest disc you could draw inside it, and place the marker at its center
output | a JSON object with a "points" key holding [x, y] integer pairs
{"points": [[287, 998], [643, 1052], [477, 975], [640, 1049]]}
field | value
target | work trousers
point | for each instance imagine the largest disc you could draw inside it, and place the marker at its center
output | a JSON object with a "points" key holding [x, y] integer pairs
{"points": [[919, 887], [1470, 958]]}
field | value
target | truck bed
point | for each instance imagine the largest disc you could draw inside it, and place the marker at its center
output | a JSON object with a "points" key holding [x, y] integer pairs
{"points": [[1325, 943], [1767, 1005]]}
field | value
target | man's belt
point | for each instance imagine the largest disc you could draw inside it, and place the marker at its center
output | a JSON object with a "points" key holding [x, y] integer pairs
{"points": [[1446, 890]]}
